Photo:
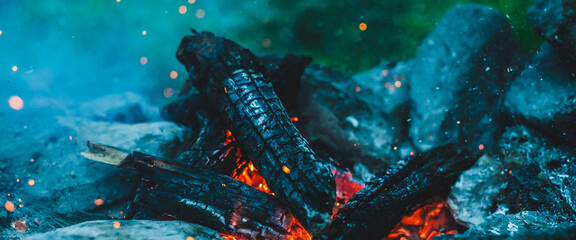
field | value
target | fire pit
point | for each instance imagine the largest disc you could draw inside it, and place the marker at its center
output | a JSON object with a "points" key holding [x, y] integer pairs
{"points": [[470, 139]]}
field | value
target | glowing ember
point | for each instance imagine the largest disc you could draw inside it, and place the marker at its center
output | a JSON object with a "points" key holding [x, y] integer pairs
{"points": [[252, 177], [182, 9], [116, 224], [481, 146], [427, 222], [294, 119], [363, 26], [173, 74], [16, 103], [9, 206], [98, 202], [231, 237], [200, 13], [20, 225]]}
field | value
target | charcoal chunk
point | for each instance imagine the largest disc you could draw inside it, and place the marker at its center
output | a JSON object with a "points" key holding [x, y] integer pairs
{"points": [[458, 74], [544, 96]]}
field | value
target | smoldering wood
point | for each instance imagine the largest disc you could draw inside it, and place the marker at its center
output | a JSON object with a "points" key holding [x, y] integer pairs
{"points": [[235, 83], [374, 211], [201, 196]]}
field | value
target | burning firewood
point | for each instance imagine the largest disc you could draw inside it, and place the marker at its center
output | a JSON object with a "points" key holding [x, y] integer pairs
{"points": [[202, 196], [238, 89], [377, 208]]}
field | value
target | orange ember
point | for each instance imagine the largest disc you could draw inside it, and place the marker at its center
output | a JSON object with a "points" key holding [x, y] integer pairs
{"points": [[427, 222], [252, 177]]}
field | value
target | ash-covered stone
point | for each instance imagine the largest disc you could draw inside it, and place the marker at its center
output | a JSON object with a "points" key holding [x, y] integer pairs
{"points": [[544, 95], [355, 119], [458, 74], [125, 108], [555, 21], [130, 230], [472, 197]]}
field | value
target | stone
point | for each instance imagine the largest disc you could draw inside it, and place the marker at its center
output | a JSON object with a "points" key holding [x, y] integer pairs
{"points": [[543, 96], [457, 77], [130, 230], [555, 21]]}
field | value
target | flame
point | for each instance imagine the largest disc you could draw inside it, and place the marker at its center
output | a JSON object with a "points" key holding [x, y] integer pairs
{"points": [[252, 177]]}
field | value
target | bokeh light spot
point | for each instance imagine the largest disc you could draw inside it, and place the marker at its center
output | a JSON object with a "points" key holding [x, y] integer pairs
{"points": [[200, 13], [0, 32], [31, 182], [398, 84], [173, 74], [116, 224], [9, 206], [143, 60], [168, 92], [481, 146], [191, 1], [16, 103], [14, 68], [144, 32], [266, 43], [363, 26], [182, 9], [98, 202]]}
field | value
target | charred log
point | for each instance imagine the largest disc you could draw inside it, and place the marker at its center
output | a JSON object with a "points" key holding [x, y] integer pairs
{"points": [[375, 210], [233, 80], [202, 196]]}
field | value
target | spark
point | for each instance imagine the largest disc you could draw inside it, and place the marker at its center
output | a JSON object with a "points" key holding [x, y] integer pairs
{"points": [[182, 9], [411, 153], [363, 26], [481, 146], [294, 119], [266, 43], [397, 83], [395, 148], [189, 238], [143, 60], [14, 68], [286, 169], [16, 103], [116, 224], [225, 90], [144, 32], [98, 202], [173, 74], [70, 137], [31, 182], [457, 122], [9, 206], [168, 92], [200, 13], [117, 0], [0, 32]]}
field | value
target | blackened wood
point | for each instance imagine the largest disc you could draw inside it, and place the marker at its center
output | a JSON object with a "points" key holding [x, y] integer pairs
{"points": [[231, 77], [201, 196], [374, 211]]}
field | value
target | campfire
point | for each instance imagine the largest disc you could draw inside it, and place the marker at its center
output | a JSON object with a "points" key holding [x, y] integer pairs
{"points": [[470, 139]]}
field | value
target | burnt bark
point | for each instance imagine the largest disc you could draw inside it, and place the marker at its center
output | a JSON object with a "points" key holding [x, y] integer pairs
{"points": [[374, 211], [237, 86]]}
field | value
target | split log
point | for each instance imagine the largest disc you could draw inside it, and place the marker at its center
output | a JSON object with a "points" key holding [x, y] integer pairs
{"points": [[375, 210], [234, 82], [202, 196]]}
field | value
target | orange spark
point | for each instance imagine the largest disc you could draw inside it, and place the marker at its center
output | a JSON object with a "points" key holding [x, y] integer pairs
{"points": [[31, 182], [200, 13], [286, 169], [144, 32], [16, 103], [0, 32], [397, 83], [9, 206], [98, 202], [143, 60], [189, 238], [173, 74], [294, 119], [363, 26], [481, 146], [14, 68], [116, 224], [182, 9], [117, 0], [70, 137]]}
